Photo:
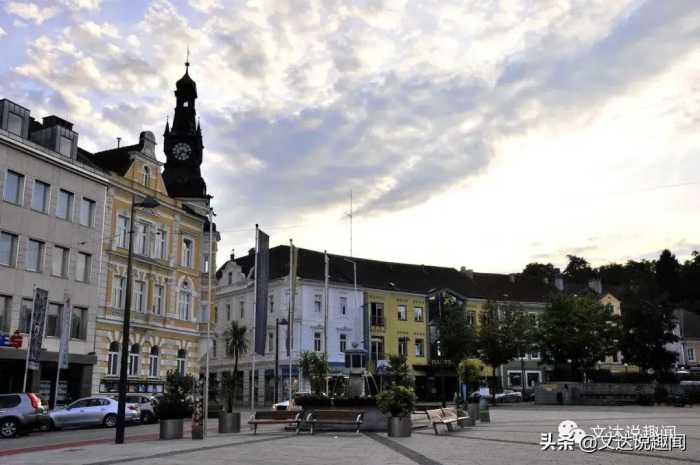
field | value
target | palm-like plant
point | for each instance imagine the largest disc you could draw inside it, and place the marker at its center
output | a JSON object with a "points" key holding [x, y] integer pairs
{"points": [[236, 345]]}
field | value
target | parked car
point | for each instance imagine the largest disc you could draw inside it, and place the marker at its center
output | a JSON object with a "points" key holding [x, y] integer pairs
{"points": [[146, 404], [509, 395], [19, 413], [92, 411]]}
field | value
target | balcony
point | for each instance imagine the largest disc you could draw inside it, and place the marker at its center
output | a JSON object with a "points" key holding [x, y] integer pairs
{"points": [[377, 320]]}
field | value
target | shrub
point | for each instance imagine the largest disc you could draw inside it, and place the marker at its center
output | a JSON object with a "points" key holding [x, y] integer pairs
{"points": [[399, 401], [175, 404]]}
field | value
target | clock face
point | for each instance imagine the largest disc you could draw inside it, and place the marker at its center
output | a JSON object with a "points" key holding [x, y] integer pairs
{"points": [[182, 151]]}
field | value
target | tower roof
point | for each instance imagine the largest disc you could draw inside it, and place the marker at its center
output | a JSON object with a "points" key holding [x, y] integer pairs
{"points": [[185, 86]]}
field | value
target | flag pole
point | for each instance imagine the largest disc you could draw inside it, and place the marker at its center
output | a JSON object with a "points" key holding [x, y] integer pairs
{"points": [[325, 313], [209, 304], [29, 341], [255, 304], [290, 319]]}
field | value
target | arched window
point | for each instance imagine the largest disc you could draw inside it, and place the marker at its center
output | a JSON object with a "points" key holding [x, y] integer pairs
{"points": [[181, 361], [146, 176], [154, 362], [185, 304], [113, 359], [134, 360]]}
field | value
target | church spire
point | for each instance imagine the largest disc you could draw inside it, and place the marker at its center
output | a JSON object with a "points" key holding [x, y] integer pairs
{"points": [[167, 126]]}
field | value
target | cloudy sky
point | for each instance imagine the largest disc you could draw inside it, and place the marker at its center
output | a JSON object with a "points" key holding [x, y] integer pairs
{"points": [[475, 133]]}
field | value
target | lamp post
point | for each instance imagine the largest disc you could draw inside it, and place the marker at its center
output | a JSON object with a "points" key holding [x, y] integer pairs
{"points": [[148, 202], [278, 322]]}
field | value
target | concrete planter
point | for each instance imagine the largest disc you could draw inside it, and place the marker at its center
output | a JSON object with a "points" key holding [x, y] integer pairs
{"points": [[399, 427], [229, 422], [172, 429]]}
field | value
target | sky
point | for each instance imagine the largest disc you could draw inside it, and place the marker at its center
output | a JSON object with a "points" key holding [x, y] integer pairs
{"points": [[475, 133]]}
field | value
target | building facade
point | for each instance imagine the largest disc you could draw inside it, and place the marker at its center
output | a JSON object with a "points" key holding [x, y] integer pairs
{"points": [[52, 216]]}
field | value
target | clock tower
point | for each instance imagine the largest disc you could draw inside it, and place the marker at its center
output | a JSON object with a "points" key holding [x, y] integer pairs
{"points": [[183, 144]]}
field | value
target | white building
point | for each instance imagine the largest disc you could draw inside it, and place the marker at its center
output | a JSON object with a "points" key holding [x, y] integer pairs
{"points": [[235, 302]]}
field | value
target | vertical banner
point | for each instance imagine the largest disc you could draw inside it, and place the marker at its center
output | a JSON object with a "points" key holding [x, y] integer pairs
{"points": [[293, 258], [262, 275], [41, 298], [326, 264], [66, 315]]}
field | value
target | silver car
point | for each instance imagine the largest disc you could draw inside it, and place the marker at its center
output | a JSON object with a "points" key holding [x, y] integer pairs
{"points": [[92, 411], [19, 413]]}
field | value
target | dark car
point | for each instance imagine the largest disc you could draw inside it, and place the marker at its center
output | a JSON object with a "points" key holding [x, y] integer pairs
{"points": [[19, 413]]}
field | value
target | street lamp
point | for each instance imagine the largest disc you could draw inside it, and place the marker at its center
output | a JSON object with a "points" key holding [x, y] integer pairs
{"points": [[278, 322], [147, 203]]}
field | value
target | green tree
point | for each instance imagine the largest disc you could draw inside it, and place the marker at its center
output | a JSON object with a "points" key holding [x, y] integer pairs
{"points": [[457, 338], [576, 332], [540, 271], [399, 373], [236, 345], [469, 372], [578, 269], [314, 367]]}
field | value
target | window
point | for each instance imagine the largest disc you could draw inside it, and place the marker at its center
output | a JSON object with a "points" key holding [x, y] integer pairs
{"points": [[141, 244], [153, 362], [230, 278], [14, 123], [403, 346], [5, 309], [317, 342], [343, 306], [536, 355], [228, 312], [471, 317], [213, 348], [53, 314], [691, 354], [146, 176], [242, 309], [40, 196], [158, 298], [205, 263], [181, 361], [420, 348], [122, 231], [162, 244], [402, 313], [317, 303], [64, 206], [185, 301], [417, 313], [187, 252], [377, 313], [343, 342], [65, 146], [272, 303], [8, 249], [113, 359], [515, 378], [87, 212], [35, 255], [60, 261], [14, 187], [270, 342], [78, 323], [139, 296], [377, 347], [134, 360], [82, 267], [118, 287], [25, 316]]}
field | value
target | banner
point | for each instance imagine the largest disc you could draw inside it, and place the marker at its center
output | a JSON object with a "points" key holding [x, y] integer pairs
{"points": [[262, 275], [41, 299], [66, 315], [293, 258]]}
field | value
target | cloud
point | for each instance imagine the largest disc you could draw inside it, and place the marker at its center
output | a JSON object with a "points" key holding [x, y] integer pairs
{"points": [[31, 11], [82, 4], [2, 32]]}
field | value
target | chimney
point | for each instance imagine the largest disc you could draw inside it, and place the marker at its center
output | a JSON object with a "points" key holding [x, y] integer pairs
{"points": [[468, 273], [596, 284], [251, 251], [558, 280], [233, 256], [56, 134], [147, 142]]}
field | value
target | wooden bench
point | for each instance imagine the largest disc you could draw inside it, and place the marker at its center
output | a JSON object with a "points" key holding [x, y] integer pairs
{"points": [[275, 417], [335, 417], [447, 417]]}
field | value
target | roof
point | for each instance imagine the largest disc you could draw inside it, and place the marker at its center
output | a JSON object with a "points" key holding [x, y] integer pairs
{"points": [[690, 323], [117, 160], [401, 277]]}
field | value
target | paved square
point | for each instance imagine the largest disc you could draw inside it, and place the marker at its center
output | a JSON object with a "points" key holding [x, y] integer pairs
{"points": [[512, 437]]}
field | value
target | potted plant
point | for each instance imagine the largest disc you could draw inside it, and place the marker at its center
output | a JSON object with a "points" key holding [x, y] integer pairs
{"points": [[174, 407], [236, 345], [469, 372], [398, 400]]}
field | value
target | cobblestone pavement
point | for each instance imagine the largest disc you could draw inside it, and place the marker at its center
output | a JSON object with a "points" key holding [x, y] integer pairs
{"points": [[513, 436]]}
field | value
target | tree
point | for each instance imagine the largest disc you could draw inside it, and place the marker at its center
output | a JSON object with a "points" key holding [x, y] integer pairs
{"points": [[314, 367], [399, 373], [236, 345], [576, 332], [469, 373], [493, 337], [578, 269], [457, 338], [540, 271], [667, 271], [689, 291]]}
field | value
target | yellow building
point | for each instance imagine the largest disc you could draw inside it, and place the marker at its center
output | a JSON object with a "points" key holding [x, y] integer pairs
{"points": [[170, 255]]}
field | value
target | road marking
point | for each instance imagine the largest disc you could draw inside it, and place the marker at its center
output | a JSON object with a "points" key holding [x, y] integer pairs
{"points": [[409, 453]]}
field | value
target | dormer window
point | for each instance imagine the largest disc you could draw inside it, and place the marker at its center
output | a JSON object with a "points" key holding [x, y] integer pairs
{"points": [[65, 146], [146, 176], [14, 123]]}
